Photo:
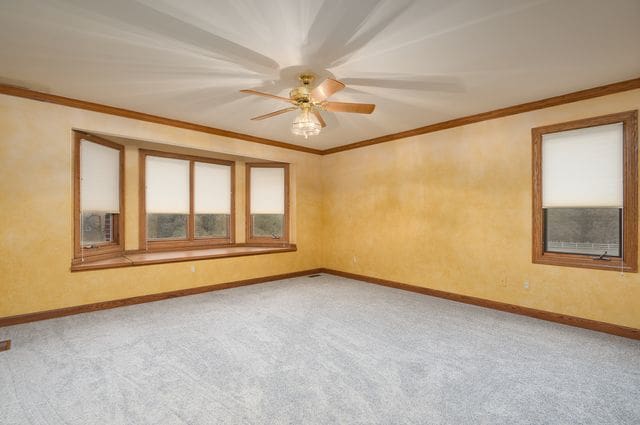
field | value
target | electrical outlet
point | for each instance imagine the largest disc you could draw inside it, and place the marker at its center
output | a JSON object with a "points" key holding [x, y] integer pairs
{"points": [[193, 268], [355, 259], [525, 285]]}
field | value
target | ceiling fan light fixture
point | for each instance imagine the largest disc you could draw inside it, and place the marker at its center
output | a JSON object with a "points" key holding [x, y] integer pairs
{"points": [[310, 103], [305, 124]]}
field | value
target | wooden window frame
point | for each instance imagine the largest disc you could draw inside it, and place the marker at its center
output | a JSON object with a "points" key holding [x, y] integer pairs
{"points": [[629, 260], [109, 249], [284, 239], [191, 241]]}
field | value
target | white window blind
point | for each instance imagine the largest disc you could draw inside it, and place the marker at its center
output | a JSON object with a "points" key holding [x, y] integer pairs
{"points": [[267, 190], [583, 167], [99, 178], [212, 191], [167, 182]]}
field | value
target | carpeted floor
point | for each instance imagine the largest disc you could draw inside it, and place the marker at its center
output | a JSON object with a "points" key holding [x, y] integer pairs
{"points": [[322, 350]]}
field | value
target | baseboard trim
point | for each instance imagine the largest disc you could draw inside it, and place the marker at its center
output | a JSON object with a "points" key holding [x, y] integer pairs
{"points": [[105, 305], [564, 319]]}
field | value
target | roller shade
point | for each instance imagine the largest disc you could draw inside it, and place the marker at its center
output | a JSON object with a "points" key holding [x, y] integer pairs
{"points": [[212, 191], [267, 190], [99, 177], [167, 182], [583, 167]]}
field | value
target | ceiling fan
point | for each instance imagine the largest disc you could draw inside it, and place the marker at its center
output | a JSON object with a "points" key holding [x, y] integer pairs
{"points": [[309, 102]]}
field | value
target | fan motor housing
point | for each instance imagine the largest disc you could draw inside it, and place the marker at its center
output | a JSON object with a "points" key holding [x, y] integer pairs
{"points": [[300, 94]]}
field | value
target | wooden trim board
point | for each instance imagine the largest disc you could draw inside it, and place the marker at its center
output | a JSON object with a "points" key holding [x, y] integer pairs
{"points": [[141, 116], [5, 345], [564, 319], [105, 305], [599, 91], [497, 113]]}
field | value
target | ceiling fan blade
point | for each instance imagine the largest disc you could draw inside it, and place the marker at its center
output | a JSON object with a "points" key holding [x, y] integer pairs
{"points": [[437, 84], [259, 93], [319, 118], [273, 114], [356, 108], [326, 89]]}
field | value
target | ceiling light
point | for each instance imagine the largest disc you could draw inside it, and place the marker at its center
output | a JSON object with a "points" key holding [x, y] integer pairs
{"points": [[305, 124]]}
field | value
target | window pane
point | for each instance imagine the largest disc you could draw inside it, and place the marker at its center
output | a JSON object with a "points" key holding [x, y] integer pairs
{"points": [[582, 168], [167, 226], [212, 188], [97, 228], [212, 225], [589, 231], [99, 177], [167, 185], [267, 190], [267, 225]]}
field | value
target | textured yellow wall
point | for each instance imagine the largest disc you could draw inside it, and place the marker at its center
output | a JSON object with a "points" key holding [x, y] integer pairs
{"points": [[36, 211], [452, 210], [448, 210]]}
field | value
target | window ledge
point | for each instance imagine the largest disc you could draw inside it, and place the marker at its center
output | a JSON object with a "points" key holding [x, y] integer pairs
{"points": [[615, 264], [130, 259]]}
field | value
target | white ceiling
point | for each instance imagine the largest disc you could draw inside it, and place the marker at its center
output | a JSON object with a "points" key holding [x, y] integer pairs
{"points": [[421, 62]]}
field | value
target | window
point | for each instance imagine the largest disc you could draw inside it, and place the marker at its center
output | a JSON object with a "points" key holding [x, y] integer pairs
{"points": [[185, 201], [267, 203], [585, 193], [98, 182]]}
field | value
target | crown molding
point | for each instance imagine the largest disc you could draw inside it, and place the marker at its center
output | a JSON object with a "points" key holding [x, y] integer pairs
{"points": [[121, 112], [497, 113], [599, 91]]}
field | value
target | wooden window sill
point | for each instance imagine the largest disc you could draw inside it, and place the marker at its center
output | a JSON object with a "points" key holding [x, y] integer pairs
{"points": [[615, 264], [130, 259]]}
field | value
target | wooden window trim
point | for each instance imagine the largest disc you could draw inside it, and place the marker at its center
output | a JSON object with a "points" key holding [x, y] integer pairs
{"points": [[248, 224], [107, 250], [191, 242], [629, 261]]}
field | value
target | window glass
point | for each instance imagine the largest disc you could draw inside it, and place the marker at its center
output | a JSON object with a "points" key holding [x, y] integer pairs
{"points": [[582, 190], [212, 200], [267, 225], [267, 202], [97, 227], [167, 197], [589, 231], [99, 193]]}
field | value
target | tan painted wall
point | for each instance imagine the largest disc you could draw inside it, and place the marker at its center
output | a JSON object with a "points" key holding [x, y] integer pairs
{"points": [[452, 210], [36, 211]]}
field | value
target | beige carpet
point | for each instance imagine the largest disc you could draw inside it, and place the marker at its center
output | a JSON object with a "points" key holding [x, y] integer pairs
{"points": [[322, 350]]}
